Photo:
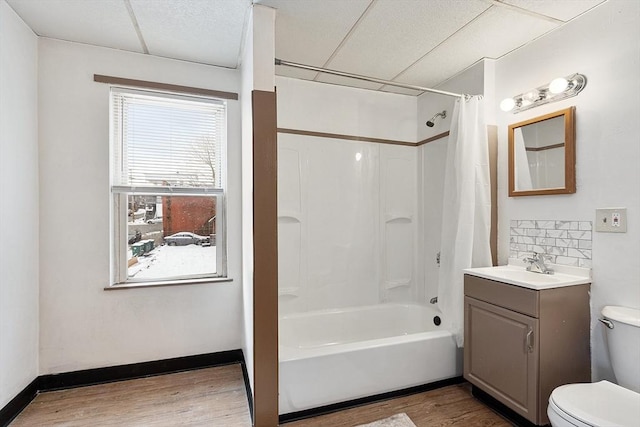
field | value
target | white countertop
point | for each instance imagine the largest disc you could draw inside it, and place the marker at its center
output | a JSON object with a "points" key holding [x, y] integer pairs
{"points": [[515, 273]]}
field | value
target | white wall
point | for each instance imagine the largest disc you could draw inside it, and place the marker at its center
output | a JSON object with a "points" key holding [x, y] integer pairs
{"points": [[347, 210], [246, 69], [82, 325], [603, 44], [18, 205], [331, 108]]}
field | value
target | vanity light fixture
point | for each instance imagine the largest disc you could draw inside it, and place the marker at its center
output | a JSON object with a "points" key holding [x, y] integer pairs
{"points": [[557, 89]]}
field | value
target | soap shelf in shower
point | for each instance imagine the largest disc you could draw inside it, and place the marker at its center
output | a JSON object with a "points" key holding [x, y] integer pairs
{"points": [[288, 216], [293, 291], [392, 284], [398, 217]]}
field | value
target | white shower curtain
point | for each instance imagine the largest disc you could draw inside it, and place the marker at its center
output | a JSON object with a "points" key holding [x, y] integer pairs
{"points": [[466, 213]]}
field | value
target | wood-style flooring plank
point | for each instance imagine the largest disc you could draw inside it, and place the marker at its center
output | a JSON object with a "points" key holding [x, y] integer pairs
{"points": [[204, 397], [444, 407], [217, 397]]}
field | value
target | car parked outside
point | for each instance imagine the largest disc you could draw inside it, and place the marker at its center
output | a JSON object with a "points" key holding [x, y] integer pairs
{"points": [[184, 238]]}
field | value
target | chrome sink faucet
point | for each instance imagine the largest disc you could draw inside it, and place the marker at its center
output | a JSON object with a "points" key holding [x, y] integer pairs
{"points": [[537, 265]]}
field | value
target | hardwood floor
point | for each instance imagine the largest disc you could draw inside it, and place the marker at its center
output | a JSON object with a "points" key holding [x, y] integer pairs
{"points": [[448, 406], [205, 397], [217, 397]]}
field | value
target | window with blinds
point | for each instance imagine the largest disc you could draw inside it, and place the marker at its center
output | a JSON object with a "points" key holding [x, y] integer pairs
{"points": [[167, 181], [166, 140]]}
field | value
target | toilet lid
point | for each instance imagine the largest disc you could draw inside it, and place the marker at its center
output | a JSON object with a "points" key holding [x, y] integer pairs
{"points": [[599, 404]]}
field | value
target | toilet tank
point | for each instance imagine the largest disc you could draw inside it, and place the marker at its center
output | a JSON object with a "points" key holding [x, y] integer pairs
{"points": [[624, 344]]}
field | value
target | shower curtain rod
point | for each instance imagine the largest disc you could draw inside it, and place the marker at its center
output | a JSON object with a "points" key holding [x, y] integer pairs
{"points": [[365, 78]]}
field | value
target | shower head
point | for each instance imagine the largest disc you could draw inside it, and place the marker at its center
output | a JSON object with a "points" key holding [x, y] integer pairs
{"points": [[443, 114]]}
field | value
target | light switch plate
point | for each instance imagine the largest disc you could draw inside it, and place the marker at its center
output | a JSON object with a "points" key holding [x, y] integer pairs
{"points": [[611, 220]]}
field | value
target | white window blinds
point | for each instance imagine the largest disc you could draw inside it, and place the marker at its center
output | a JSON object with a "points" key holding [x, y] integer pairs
{"points": [[166, 140]]}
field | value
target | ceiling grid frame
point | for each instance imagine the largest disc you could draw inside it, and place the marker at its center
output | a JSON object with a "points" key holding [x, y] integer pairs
{"points": [[346, 37], [136, 26], [416, 42]]}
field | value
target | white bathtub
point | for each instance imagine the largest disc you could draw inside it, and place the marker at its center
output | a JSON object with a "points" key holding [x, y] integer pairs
{"points": [[333, 356]]}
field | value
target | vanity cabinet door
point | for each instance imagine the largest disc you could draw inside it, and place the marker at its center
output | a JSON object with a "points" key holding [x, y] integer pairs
{"points": [[501, 355]]}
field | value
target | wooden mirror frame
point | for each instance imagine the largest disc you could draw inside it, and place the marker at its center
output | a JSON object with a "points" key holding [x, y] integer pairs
{"points": [[569, 155]]}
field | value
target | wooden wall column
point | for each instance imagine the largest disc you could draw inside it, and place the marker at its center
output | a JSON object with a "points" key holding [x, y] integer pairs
{"points": [[265, 255]]}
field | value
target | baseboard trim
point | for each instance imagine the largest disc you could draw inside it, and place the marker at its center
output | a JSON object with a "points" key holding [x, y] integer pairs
{"points": [[247, 387], [323, 410], [109, 374], [136, 370], [18, 403]]}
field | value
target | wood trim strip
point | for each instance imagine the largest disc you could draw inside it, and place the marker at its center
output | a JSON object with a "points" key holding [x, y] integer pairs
{"points": [[322, 410], [361, 138], [265, 259], [119, 373], [347, 137], [433, 138], [548, 147], [99, 78], [570, 150], [18, 403]]}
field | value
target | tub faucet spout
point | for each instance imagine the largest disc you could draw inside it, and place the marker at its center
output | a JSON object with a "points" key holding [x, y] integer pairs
{"points": [[433, 300]]}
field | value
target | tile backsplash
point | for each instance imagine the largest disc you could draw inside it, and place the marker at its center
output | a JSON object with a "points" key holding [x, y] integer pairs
{"points": [[568, 242]]}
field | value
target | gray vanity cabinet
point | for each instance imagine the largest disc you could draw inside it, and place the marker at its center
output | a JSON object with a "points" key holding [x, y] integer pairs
{"points": [[522, 343]]}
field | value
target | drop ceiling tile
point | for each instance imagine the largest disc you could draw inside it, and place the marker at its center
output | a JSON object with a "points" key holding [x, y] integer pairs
{"points": [[497, 32], [563, 10], [206, 31], [100, 23], [309, 31], [396, 33]]}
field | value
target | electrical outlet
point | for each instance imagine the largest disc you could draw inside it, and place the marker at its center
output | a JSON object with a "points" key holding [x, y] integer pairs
{"points": [[611, 220]]}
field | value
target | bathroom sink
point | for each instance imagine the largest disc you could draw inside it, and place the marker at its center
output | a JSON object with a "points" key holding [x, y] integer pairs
{"points": [[516, 274]]}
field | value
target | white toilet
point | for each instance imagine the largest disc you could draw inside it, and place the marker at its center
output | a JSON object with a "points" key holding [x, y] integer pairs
{"points": [[604, 404]]}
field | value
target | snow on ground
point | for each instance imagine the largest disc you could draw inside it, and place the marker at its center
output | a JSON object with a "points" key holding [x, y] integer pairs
{"points": [[137, 221], [170, 261]]}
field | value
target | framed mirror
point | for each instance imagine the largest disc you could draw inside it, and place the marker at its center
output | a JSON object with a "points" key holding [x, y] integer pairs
{"points": [[542, 155]]}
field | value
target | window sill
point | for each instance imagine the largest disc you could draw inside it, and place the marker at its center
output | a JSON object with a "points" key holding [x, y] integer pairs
{"points": [[135, 285]]}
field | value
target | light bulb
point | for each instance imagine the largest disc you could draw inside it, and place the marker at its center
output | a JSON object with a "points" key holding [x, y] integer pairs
{"points": [[532, 96], [558, 85], [358, 157], [507, 104]]}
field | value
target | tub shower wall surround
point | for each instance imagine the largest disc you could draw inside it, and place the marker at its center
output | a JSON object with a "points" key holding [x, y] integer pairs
{"points": [[567, 242], [347, 209], [348, 232], [351, 353]]}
